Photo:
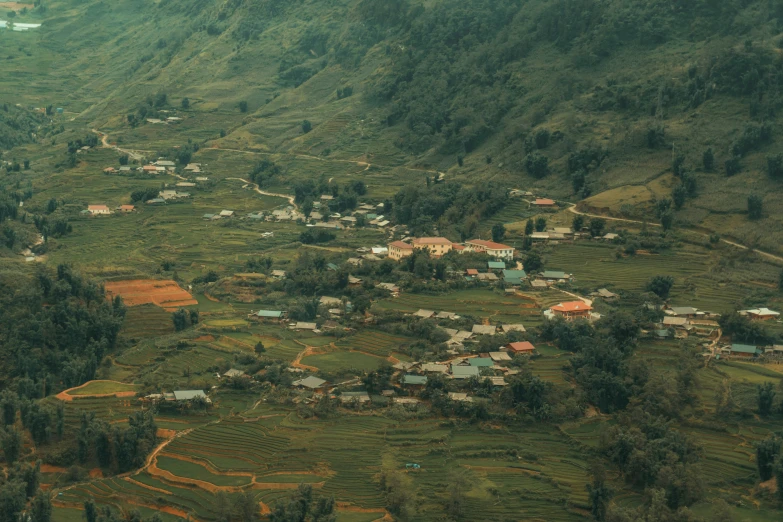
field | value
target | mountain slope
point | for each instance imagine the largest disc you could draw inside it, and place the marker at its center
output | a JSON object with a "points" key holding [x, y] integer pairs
{"points": [[581, 99]]}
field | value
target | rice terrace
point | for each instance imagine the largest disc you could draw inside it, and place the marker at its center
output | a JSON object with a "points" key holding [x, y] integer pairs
{"points": [[391, 260]]}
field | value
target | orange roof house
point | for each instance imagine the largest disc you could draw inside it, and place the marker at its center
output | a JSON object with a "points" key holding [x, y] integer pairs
{"points": [[544, 202], [437, 246], [399, 249], [520, 347], [127, 208], [492, 249], [572, 310]]}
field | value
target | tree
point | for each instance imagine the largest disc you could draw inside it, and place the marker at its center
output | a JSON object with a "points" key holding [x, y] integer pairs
{"points": [[667, 220], [26, 164], [90, 511], [767, 452], [498, 232], [540, 224], [578, 223], [181, 319], [732, 166], [660, 286], [597, 226], [247, 507], [259, 348], [306, 126], [599, 493], [529, 227], [124, 159], [765, 394], [537, 165], [775, 166], [243, 106], [185, 103], [778, 473], [678, 165], [708, 160], [12, 445], [755, 206], [533, 262], [679, 195], [41, 507]]}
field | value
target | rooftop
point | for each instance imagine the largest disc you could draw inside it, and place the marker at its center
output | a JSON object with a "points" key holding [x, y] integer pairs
{"points": [[572, 306], [490, 245]]}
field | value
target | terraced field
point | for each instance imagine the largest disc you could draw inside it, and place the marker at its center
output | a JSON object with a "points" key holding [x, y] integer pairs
{"points": [[373, 342]]}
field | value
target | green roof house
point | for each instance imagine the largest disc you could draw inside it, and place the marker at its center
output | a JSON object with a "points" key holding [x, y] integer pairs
{"points": [[496, 265], [481, 362], [464, 372], [744, 350], [514, 277], [554, 274], [414, 380]]}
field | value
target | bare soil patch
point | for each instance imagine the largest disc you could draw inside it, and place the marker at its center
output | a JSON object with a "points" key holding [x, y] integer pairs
{"points": [[165, 293]]}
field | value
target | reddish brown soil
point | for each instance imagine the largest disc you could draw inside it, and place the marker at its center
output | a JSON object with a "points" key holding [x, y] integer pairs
{"points": [[66, 396], [166, 294]]}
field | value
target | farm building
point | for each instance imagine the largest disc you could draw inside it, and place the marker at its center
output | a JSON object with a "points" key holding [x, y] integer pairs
{"points": [[150, 169], [497, 381], [481, 362], [488, 276], [610, 236], [358, 396], [424, 314], [189, 395], [520, 347], [354, 281], [304, 326], [460, 397], [279, 274], [744, 350], [496, 265], [572, 310], [471, 272], [464, 372], [555, 275], [330, 301], [391, 287], [165, 163], [126, 208], [414, 381], [109, 170], [606, 294], [484, 329], [675, 322], [434, 368], [403, 365], [98, 210], [761, 314], [226, 213], [544, 202], [539, 236], [268, 315], [539, 284], [492, 249], [681, 311], [233, 372], [156, 201], [446, 315], [514, 277], [499, 356], [506, 328], [311, 383]]}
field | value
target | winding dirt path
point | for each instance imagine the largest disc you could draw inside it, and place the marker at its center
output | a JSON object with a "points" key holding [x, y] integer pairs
{"points": [[265, 193], [133, 154], [572, 208]]}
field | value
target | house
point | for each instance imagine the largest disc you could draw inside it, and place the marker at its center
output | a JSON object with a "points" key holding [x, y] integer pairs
{"points": [[484, 329], [234, 373], [487, 276], [437, 246], [506, 328], [492, 249], [406, 401], [380, 251], [127, 208], [424, 314], [330, 325], [606, 294], [109, 170], [555, 275], [359, 397], [681, 311], [497, 381], [434, 368], [462, 335], [152, 169], [226, 213], [446, 315], [189, 395], [98, 210], [348, 220], [675, 322], [165, 163], [156, 201], [496, 265], [564, 231], [539, 236], [185, 184], [279, 274], [355, 261], [761, 314], [402, 365], [193, 167], [662, 333], [471, 272], [391, 287], [326, 197], [544, 202], [514, 277], [268, 315], [610, 236], [354, 281], [572, 310], [539, 284], [125, 168], [208, 217], [311, 383], [459, 397], [744, 350], [464, 372], [414, 381], [399, 249], [481, 362], [330, 301], [304, 326], [499, 356], [520, 347]]}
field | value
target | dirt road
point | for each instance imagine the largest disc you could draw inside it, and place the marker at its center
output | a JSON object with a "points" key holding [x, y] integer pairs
{"points": [[265, 193]]}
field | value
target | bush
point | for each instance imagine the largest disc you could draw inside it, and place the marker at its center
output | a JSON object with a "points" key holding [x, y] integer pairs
{"points": [[243, 106], [307, 126], [537, 165]]}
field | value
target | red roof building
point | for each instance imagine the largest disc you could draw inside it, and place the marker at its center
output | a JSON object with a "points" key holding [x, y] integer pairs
{"points": [[496, 250], [520, 347], [544, 202], [399, 249], [572, 310]]}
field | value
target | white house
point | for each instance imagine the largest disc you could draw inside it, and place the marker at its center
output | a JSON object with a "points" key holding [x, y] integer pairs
{"points": [[496, 250], [98, 210]]}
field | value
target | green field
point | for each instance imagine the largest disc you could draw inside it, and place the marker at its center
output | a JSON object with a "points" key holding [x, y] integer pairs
{"points": [[102, 387]]}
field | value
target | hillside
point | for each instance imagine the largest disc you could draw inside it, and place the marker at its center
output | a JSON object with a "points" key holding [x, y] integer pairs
{"points": [[580, 99]]}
